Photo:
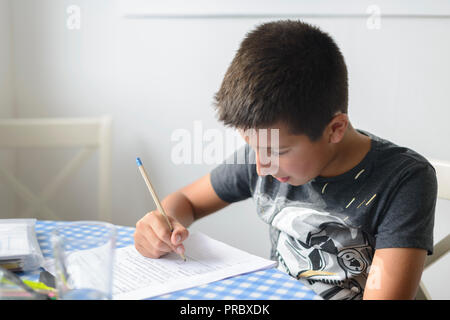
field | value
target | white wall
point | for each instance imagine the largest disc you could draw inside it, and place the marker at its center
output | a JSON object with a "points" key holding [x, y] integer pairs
{"points": [[7, 198], [5, 60], [156, 75]]}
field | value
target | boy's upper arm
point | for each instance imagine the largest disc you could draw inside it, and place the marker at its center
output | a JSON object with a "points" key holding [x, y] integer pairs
{"points": [[395, 273], [203, 198], [404, 236]]}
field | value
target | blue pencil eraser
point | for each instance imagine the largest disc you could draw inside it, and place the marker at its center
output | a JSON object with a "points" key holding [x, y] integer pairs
{"points": [[138, 161]]}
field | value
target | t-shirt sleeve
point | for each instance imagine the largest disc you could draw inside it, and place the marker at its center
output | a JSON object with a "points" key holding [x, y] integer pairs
{"points": [[231, 179], [408, 220]]}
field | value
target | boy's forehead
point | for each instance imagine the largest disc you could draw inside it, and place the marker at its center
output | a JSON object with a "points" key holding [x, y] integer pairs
{"points": [[274, 136]]}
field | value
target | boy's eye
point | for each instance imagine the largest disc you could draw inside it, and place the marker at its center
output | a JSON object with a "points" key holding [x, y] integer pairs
{"points": [[277, 153]]}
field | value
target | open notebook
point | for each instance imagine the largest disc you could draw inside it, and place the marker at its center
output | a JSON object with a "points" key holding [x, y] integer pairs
{"points": [[208, 260]]}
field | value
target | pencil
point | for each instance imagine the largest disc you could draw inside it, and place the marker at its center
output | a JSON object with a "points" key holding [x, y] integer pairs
{"points": [[155, 197]]}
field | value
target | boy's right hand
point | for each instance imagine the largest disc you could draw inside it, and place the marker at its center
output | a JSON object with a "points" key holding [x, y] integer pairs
{"points": [[153, 238]]}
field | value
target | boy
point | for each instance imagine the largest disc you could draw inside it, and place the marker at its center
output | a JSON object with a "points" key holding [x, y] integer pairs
{"points": [[351, 215]]}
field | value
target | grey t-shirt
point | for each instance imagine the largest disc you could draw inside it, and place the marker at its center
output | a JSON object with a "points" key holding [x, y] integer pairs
{"points": [[325, 232]]}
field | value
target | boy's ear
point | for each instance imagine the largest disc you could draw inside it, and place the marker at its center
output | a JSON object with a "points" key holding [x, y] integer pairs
{"points": [[337, 128]]}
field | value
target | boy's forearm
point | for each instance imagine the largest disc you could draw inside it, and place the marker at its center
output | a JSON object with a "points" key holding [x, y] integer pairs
{"points": [[179, 207]]}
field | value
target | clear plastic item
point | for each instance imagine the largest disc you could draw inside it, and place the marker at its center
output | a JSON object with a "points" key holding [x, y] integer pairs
{"points": [[19, 248]]}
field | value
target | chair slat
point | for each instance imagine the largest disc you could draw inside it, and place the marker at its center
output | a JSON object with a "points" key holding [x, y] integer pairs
{"points": [[38, 133]]}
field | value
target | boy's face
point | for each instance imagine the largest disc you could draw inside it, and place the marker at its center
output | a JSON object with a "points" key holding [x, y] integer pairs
{"points": [[293, 159]]}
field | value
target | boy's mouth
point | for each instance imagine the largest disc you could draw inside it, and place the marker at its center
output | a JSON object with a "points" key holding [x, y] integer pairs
{"points": [[284, 179]]}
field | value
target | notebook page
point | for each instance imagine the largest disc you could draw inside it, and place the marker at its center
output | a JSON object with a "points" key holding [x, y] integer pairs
{"points": [[208, 260], [138, 277]]}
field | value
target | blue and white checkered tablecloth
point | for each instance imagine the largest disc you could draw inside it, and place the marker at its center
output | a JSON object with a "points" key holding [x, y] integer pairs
{"points": [[270, 284]]}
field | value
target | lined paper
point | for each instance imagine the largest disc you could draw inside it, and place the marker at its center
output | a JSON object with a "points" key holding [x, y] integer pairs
{"points": [[208, 260]]}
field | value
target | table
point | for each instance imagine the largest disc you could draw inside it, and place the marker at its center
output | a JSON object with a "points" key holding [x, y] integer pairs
{"points": [[270, 284]]}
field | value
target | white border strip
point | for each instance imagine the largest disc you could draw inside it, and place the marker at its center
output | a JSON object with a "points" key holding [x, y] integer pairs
{"points": [[281, 8]]}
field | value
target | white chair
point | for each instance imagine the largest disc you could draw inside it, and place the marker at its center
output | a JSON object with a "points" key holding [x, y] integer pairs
{"points": [[443, 246], [87, 133]]}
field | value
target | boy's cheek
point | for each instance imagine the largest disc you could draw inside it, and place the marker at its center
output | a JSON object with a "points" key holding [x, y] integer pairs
{"points": [[300, 175]]}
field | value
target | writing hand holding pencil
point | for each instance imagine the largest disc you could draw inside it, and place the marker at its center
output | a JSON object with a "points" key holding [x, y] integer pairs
{"points": [[158, 233]]}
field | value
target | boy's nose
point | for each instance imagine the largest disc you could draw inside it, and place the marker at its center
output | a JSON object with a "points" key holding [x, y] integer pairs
{"points": [[266, 167]]}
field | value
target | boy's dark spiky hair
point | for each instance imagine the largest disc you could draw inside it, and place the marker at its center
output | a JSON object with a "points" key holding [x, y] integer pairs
{"points": [[286, 71]]}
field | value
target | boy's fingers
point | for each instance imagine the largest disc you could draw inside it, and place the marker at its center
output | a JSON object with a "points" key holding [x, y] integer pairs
{"points": [[154, 239], [147, 239], [161, 229], [156, 243], [179, 234], [180, 249]]}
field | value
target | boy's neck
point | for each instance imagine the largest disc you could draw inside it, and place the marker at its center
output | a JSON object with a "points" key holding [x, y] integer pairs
{"points": [[349, 153]]}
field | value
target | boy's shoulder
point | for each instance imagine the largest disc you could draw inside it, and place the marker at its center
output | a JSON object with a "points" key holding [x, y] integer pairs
{"points": [[387, 154]]}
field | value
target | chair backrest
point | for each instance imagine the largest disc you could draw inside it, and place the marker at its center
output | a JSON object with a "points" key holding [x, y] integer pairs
{"points": [[443, 246], [87, 133], [443, 177]]}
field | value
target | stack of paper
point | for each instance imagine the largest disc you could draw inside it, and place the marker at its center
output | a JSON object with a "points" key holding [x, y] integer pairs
{"points": [[18, 243]]}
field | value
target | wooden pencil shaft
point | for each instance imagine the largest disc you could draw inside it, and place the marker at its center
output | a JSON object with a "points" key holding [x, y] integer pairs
{"points": [[155, 197]]}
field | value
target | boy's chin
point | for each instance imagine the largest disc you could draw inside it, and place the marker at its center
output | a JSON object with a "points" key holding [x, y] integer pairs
{"points": [[293, 182], [297, 182]]}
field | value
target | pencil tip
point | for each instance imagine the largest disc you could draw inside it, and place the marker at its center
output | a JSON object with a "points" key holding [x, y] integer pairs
{"points": [[138, 161]]}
